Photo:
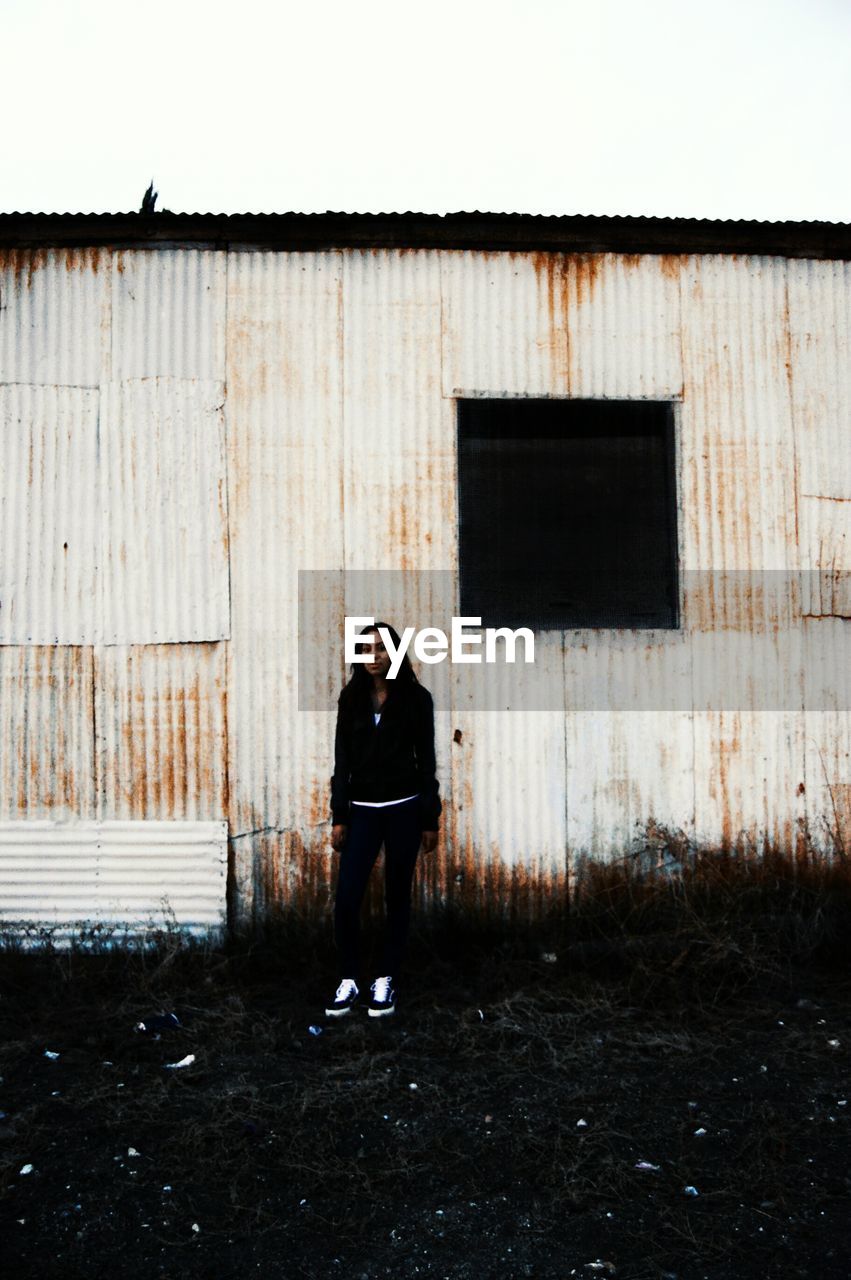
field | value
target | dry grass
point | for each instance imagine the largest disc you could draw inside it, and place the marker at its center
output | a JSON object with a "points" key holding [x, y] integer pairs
{"points": [[706, 996]]}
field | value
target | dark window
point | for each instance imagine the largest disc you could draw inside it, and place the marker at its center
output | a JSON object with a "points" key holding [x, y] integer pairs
{"points": [[568, 513]]}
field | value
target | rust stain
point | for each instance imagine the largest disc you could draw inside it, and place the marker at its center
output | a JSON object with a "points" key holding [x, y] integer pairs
{"points": [[25, 263], [224, 713], [260, 376], [670, 265], [221, 498], [727, 746], [403, 519], [81, 259], [293, 871], [171, 760], [551, 272], [790, 390], [584, 270], [178, 774], [52, 697]]}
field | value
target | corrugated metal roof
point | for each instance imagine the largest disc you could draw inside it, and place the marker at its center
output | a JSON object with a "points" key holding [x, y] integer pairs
{"points": [[575, 233]]}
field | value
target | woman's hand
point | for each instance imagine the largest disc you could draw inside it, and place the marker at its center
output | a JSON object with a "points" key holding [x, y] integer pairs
{"points": [[338, 836], [429, 841]]}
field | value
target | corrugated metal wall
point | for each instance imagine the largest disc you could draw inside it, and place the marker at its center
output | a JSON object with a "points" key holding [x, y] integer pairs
{"points": [[183, 430]]}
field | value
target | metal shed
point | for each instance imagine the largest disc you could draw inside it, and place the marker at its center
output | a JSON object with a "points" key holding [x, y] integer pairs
{"points": [[198, 409]]}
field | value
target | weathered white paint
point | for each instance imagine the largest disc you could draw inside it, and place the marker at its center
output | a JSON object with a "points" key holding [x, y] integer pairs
{"points": [[49, 525], [168, 314], [285, 479], [55, 316], [164, 527]]}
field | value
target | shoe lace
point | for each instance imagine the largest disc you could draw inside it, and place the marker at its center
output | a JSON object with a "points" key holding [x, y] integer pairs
{"points": [[381, 988], [346, 988]]}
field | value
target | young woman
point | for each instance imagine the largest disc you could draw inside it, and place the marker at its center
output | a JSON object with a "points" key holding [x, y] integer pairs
{"points": [[383, 790]]}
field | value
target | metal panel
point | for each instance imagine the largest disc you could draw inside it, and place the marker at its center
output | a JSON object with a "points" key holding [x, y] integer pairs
{"points": [[623, 319], [504, 324], [826, 779], [399, 468], [505, 822], [820, 368], [738, 461], [749, 766], [161, 716], [168, 314], [627, 771], [165, 522], [46, 727], [54, 316], [285, 448], [738, 456], [127, 876], [820, 379], [48, 516], [505, 334], [399, 465]]}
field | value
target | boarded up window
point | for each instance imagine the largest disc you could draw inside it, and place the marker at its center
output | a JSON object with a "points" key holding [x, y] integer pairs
{"points": [[567, 513]]}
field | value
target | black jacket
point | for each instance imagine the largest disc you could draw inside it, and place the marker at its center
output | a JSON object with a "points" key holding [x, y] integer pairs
{"points": [[388, 760]]}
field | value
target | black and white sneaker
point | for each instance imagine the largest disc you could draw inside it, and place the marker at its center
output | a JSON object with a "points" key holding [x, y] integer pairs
{"points": [[346, 995], [383, 998]]}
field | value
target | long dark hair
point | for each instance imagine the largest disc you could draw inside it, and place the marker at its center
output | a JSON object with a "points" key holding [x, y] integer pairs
{"points": [[356, 690]]}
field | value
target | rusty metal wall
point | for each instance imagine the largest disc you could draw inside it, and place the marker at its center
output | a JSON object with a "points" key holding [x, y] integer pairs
{"points": [[48, 758], [114, 542], [738, 473], [160, 714], [285, 483], [199, 425], [820, 381]]}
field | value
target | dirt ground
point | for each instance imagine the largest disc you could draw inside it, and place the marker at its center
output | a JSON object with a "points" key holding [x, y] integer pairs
{"points": [[672, 1104]]}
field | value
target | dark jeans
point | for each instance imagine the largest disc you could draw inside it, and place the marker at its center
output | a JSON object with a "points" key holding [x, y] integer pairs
{"points": [[400, 828]]}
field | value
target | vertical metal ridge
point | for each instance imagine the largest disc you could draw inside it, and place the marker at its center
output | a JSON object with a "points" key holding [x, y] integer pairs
{"points": [[284, 375], [48, 552], [162, 745], [126, 877], [54, 302]]}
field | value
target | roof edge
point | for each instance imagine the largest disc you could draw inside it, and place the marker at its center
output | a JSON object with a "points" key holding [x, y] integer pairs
{"points": [[575, 233]]}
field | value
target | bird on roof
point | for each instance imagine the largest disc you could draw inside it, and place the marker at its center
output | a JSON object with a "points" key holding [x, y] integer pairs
{"points": [[149, 199]]}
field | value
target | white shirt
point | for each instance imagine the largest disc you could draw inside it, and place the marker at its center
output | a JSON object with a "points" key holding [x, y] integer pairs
{"points": [[380, 804]]}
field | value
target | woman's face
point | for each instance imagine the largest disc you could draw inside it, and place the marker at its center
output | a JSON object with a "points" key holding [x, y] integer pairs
{"points": [[379, 664]]}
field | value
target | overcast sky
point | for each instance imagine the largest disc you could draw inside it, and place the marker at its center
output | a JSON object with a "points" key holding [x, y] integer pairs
{"points": [[723, 109]]}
